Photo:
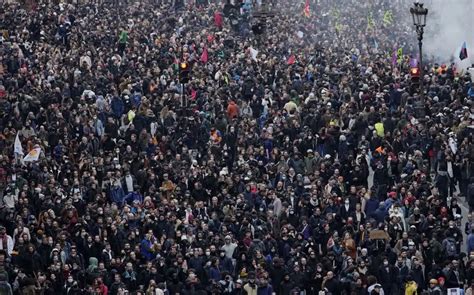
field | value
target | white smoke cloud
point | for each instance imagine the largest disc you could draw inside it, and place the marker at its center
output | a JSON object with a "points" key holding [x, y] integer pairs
{"points": [[449, 23]]}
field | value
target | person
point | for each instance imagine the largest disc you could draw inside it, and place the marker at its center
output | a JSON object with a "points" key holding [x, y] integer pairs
{"points": [[330, 284], [251, 287], [434, 288], [229, 247], [232, 110], [5, 287], [470, 241], [411, 287], [470, 289], [470, 194], [6, 241], [374, 288], [386, 274]]}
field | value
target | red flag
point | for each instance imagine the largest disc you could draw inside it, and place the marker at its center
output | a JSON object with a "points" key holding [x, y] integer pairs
{"points": [[176, 64], [306, 11], [218, 21], [193, 94], [210, 38], [204, 56], [291, 60]]}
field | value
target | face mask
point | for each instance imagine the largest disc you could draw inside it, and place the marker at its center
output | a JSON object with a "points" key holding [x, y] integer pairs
{"points": [[69, 280], [451, 226], [208, 253], [222, 254], [385, 263]]}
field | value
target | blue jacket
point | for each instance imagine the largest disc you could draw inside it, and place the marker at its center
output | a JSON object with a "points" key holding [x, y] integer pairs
{"points": [[470, 92], [117, 106], [371, 206], [214, 274], [225, 264], [267, 290], [379, 214], [470, 243], [145, 249], [117, 194], [136, 100]]}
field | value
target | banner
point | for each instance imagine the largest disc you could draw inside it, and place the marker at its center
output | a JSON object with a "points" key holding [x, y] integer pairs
{"points": [[33, 155], [388, 17], [253, 53], [307, 11], [18, 149], [291, 60], [370, 21], [204, 56], [400, 55]]}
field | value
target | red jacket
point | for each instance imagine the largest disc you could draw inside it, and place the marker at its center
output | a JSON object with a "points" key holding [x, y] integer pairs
{"points": [[218, 21], [232, 110]]}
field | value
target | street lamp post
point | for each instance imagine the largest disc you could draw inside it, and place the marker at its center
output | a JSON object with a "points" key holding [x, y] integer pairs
{"points": [[260, 16], [418, 13]]}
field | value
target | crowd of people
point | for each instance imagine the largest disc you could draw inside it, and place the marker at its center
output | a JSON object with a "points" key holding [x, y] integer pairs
{"points": [[301, 156]]}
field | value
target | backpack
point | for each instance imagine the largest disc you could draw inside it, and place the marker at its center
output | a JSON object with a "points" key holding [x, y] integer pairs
{"points": [[450, 248]]}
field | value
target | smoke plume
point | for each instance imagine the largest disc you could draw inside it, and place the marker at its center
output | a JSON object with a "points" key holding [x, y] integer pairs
{"points": [[449, 23]]}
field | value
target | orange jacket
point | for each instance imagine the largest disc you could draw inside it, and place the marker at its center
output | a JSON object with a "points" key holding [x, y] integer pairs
{"points": [[232, 110]]}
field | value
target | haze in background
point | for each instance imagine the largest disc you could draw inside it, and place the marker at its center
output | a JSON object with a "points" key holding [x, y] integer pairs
{"points": [[449, 23]]}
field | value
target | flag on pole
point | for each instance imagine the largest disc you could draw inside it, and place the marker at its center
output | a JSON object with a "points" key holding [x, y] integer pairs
{"points": [[176, 64], [370, 21], [307, 11], [413, 62], [291, 60], [210, 38], [33, 155], [463, 53], [376, 44], [18, 149], [123, 37], [400, 55], [388, 17], [204, 56], [218, 19], [131, 115], [253, 53]]}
